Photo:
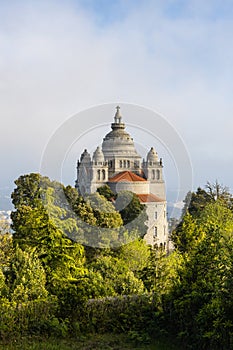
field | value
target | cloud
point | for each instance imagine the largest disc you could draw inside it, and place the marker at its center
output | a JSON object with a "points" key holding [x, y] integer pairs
{"points": [[61, 57]]}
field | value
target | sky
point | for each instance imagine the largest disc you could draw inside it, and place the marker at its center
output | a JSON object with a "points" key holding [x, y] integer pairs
{"points": [[58, 58]]}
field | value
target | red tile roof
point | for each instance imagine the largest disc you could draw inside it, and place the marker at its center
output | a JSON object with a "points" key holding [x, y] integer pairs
{"points": [[126, 176], [146, 198]]}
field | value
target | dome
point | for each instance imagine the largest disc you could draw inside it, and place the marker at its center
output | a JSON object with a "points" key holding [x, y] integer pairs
{"points": [[118, 142], [85, 157], [152, 155], [118, 128], [98, 155]]}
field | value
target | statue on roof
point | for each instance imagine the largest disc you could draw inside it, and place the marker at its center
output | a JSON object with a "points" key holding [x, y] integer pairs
{"points": [[118, 115]]}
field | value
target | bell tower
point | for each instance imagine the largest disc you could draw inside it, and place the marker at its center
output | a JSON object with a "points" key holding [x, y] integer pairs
{"points": [[99, 174], [153, 171]]}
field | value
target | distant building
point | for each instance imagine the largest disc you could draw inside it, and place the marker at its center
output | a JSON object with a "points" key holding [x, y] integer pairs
{"points": [[118, 164]]}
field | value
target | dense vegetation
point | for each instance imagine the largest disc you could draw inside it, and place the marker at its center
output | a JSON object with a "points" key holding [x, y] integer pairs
{"points": [[75, 266]]}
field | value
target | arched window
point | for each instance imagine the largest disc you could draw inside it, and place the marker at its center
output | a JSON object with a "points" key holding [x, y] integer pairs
{"points": [[155, 231], [153, 174], [128, 164], [156, 215], [120, 163], [103, 174], [158, 174], [124, 163], [98, 174]]}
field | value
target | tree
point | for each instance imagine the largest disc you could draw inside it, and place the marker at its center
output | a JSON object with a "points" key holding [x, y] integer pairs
{"points": [[6, 250], [3, 286], [161, 272], [117, 278], [28, 276], [219, 192], [186, 235], [135, 255], [194, 205], [106, 192], [200, 304], [40, 224], [80, 206], [28, 190], [104, 211], [195, 202], [133, 213], [96, 217]]}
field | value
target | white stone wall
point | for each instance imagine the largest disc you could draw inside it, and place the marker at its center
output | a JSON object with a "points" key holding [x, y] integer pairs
{"points": [[157, 224], [138, 187], [158, 188]]}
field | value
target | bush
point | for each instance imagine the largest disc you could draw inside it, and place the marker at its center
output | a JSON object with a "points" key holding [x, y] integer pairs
{"points": [[123, 314], [31, 317]]}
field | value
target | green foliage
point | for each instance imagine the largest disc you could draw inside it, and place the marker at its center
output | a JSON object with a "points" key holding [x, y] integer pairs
{"points": [[120, 314], [186, 235], [161, 272], [118, 279], [50, 284], [97, 218], [40, 224], [101, 222], [133, 213], [25, 318], [82, 208], [106, 192], [6, 250], [28, 277], [129, 206], [195, 202], [201, 302], [3, 286], [104, 211], [135, 255], [61, 257], [28, 190], [192, 229]]}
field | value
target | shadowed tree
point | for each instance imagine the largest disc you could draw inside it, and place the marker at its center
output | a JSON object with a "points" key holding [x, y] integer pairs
{"points": [[28, 276], [106, 192], [133, 213], [41, 222], [200, 303]]}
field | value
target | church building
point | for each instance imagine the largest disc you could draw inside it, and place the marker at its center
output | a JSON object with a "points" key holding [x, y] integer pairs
{"points": [[118, 164]]}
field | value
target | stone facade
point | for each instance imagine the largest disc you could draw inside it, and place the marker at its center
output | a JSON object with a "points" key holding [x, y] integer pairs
{"points": [[118, 164], [157, 224]]}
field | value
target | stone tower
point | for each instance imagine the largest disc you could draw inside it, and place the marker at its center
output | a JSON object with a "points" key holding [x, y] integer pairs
{"points": [[153, 171]]}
